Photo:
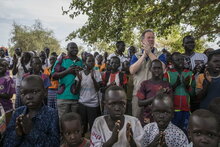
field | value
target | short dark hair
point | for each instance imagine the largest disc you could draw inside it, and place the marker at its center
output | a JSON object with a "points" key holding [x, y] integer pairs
{"points": [[68, 45], [155, 60], [116, 57], [113, 88], [188, 36], [175, 53], [34, 57], [36, 78], [119, 42], [146, 31], [69, 117], [203, 113], [163, 96], [212, 53]]}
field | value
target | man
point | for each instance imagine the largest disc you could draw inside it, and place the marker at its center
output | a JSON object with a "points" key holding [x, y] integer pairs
{"points": [[120, 48], [65, 70], [191, 57], [140, 63]]}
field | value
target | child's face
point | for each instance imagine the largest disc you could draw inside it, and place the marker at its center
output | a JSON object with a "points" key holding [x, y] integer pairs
{"points": [[162, 114], [32, 94], [90, 62], [115, 63], [43, 56], [157, 69], [178, 61], [116, 104], [214, 63], [36, 64], [72, 132], [3, 66], [99, 59], [125, 66], [203, 132], [52, 60], [72, 50]]}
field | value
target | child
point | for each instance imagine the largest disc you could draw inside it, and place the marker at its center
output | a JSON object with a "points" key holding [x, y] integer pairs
{"points": [[100, 65], [162, 132], [52, 90], [203, 129], [88, 83], [183, 85], [115, 77], [211, 83], [130, 86], [65, 70], [7, 86], [72, 129], [20, 67], [116, 129], [36, 67], [149, 89], [33, 124]]}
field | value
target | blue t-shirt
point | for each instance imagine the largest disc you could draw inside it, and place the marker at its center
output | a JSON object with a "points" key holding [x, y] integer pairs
{"points": [[213, 92], [134, 58]]}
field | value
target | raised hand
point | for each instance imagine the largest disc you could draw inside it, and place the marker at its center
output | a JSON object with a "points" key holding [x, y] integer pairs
{"points": [[18, 127], [115, 131], [26, 123]]}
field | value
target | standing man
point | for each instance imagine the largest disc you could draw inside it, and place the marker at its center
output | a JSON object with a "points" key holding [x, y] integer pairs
{"points": [[65, 70], [119, 52], [140, 63], [192, 59]]}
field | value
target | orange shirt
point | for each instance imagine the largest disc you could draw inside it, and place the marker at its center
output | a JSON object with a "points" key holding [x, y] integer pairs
{"points": [[54, 83], [101, 67], [200, 80]]}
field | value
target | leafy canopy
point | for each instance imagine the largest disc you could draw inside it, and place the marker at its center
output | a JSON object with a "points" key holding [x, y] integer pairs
{"points": [[112, 20], [33, 38]]}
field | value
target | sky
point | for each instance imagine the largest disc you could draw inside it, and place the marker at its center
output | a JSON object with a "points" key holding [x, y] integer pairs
{"points": [[49, 12]]}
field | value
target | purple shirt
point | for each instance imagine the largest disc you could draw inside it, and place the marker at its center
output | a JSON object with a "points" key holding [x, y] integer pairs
{"points": [[7, 86]]}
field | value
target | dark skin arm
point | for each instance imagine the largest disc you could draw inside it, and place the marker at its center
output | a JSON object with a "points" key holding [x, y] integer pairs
{"points": [[145, 102], [114, 138], [5, 95], [129, 135], [70, 70], [96, 84], [14, 68], [78, 83], [178, 82]]}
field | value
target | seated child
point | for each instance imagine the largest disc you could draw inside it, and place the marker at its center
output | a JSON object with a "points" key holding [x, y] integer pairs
{"points": [[149, 89], [33, 124], [7, 87], [162, 132], [116, 129], [203, 129], [72, 129]]}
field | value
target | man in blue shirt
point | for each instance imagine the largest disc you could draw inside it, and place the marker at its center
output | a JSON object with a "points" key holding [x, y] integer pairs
{"points": [[140, 63], [33, 124]]}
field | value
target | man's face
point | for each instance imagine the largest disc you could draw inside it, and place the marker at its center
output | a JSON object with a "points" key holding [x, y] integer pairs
{"points": [[150, 38], [189, 44], [203, 132], [32, 93], [116, 104], [121, 47]]}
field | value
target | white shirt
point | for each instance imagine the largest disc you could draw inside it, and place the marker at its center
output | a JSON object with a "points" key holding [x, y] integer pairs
{"points": [[88, 95], [174, 136], [100, 132], [20, 72]]}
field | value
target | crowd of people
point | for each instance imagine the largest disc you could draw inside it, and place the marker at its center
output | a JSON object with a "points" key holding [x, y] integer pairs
{"points": [[147, 98]]}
